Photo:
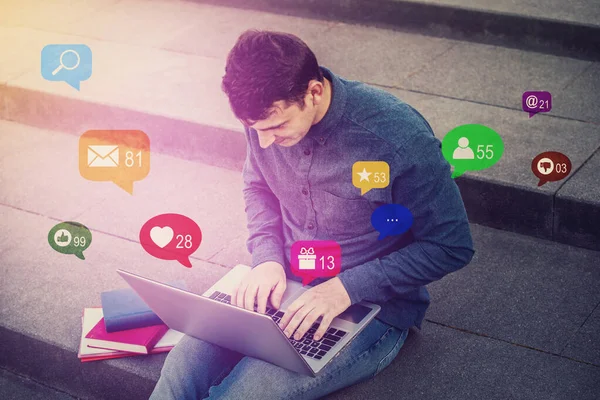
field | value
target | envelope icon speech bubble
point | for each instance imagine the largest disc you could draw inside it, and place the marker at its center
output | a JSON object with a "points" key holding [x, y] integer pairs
{"points": [[103, 156], [121, 156]]}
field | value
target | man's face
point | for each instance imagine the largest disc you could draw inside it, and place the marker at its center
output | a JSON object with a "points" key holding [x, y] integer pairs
{"points": [[287, 126]]}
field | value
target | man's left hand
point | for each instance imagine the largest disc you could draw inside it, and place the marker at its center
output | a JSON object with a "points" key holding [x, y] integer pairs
{"points": [[327, 300]]}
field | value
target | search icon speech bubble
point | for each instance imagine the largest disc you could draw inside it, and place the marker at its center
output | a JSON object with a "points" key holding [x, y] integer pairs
{"points": [[71, 63], [62, 64]]}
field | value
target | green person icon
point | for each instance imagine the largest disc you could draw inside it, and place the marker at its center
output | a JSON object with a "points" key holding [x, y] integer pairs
{"points": [[463, 151], [472, 147]]}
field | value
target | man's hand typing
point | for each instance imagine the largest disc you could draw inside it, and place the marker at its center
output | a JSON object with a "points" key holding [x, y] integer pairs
{"points": [[327, 300], [264, 281]]}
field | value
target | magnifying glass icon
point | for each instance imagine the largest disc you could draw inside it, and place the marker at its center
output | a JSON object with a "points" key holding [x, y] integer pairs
{"points": [[62, 65]]}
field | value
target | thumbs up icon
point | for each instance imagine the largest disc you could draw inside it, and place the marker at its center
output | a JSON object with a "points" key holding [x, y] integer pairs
{"points": [[62, 237]]}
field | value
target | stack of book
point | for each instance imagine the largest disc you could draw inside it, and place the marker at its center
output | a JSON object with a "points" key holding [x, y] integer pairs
{"points": [[123, 327]]}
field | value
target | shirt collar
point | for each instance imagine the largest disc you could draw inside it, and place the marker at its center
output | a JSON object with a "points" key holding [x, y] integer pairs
{"points": [[321, 130]]}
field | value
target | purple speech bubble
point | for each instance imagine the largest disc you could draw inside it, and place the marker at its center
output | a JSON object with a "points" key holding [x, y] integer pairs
{"points": [[537, 102]]}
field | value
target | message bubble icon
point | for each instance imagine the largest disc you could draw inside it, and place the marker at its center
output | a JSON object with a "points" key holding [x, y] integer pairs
{"points": [[472, 147], [367, 175], [171, 237], [391, 219], [535, 102], [550, 166], [70, 238], [119, 156], [312, 259], [71, 63]]}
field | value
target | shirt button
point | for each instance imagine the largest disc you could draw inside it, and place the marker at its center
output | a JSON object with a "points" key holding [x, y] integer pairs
{"points": [[307, 152], [311, 226], [304, 191], [321, 140]]}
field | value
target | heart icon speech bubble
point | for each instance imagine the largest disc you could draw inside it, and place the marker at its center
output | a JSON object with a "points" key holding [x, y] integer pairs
{"points": [[161, 236], [178, 238]]}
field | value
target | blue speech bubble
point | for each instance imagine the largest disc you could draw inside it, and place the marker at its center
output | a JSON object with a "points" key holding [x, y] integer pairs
{"points": [[391, 219], [71, 63]]}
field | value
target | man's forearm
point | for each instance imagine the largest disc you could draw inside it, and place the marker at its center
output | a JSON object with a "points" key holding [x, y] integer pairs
{"points": [[402, 271], [265, 241]]}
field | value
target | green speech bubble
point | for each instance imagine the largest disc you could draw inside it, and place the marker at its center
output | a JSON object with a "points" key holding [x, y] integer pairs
{"points": [[70, 238], [472, 147]]}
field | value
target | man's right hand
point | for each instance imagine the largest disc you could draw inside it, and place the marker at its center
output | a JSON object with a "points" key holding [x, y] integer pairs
{"points": [[265, 280]]}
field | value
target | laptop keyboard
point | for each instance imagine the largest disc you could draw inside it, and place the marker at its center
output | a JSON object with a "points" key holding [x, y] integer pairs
{"points": [[306, 345]]}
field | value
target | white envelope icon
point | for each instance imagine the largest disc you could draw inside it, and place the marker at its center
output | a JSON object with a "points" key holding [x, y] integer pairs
{"points": [[103, 155]]}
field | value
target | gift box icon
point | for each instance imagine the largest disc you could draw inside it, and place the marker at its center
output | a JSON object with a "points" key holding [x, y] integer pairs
{"points": [[307, 258]]}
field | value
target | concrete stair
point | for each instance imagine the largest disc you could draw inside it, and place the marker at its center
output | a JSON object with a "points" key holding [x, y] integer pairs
{"points": [[519, 322]]}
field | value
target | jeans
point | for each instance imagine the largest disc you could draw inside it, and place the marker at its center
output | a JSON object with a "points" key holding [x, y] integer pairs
{"points": [[196, 369]]}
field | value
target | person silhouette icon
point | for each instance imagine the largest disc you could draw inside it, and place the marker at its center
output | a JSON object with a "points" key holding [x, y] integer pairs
{"points": [[463, 151]]}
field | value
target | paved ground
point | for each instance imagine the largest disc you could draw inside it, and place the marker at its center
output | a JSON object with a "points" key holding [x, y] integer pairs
{"points": [[17, 387], [580, 11], [520, 322], [552, 27]]}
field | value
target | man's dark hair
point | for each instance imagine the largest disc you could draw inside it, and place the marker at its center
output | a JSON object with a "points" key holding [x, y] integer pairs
{"points": [[264, 67]]}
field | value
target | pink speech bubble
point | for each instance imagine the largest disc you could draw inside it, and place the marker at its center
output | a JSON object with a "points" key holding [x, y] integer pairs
{"points": [[171, 237], [312, 259]]}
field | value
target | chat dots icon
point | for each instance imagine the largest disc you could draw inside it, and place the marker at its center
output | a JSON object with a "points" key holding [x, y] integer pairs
{"points": [[550, 166], [535, 102], [119, 156], [472, 147], [312, 259], [71, 63], [70, 238], [391, 219], [367, 175], [171, 237]]}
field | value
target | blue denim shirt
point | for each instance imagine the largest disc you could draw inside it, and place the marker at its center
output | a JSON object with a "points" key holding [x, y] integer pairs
{"points": [[305, 192]]}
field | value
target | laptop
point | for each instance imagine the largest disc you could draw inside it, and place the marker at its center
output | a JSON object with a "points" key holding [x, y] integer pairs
{"points": [[212, 318]]}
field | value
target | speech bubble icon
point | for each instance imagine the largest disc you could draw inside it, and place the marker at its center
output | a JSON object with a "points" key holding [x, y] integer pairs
{"points": [[367, 175], [535, 102], [71, 63], [391, 219], [550, 166], [119, 156], [472, 147], [70, 238], [312, 259], [171, 237]]}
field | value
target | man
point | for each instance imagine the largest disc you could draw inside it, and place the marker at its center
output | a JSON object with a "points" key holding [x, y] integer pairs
{"points": [[305, 128]]}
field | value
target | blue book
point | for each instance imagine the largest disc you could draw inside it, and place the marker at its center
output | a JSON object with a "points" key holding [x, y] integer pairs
{"points": [[123, 309]]}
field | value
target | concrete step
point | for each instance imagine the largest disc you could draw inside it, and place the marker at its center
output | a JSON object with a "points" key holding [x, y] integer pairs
{"points": [[552, 27], [520, 321], [164, 78], [17, 387]]}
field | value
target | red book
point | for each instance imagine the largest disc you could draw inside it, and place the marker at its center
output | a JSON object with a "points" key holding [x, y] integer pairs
{"points": [[90, 318], [139, 340]]}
